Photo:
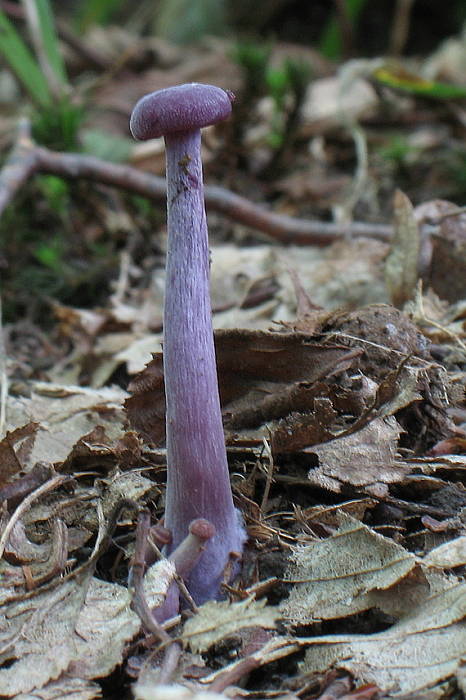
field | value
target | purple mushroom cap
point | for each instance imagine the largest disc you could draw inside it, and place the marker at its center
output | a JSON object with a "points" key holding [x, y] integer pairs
{"points": [[179, 108]]}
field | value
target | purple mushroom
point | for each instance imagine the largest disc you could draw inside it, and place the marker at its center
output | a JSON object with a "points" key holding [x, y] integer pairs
{"points": [[198, 484]]}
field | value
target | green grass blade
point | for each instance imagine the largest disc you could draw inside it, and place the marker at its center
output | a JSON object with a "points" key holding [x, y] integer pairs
{"points": [[331, 41], [415, 85], [22, 63], [97, 12], [50, 39]]}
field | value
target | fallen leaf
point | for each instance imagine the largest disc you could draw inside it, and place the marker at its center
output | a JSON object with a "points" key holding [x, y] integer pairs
{"points": [[214, 621], [419, 651], [343, 575], [448, 555], [65, 414], [262, 376], [157, 580], [363, 458], [401, 266], [151, 691], [104, 627], [65, 687], [37, 636], [15, 449]]}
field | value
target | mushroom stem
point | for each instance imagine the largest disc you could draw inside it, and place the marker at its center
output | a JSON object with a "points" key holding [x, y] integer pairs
{"points": [[198, 483]]}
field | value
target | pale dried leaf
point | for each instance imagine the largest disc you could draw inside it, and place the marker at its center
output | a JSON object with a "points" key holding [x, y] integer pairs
{"points": [[448, 555], [149, 691], [419, 651], [214, 621], [404, 391], [363, 458], [346, 573], [139, 352], [157, 580], [235, 269], [65, 687], [348, 273], [105, 626], [81, 627], [461, 678], [401, 267], [326, 102], [131, 485], [65, 414], [37, 637]]}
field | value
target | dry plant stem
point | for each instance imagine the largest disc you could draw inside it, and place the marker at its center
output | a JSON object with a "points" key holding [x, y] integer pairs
{"points": [[231, 677], [139, 602], [337, 688], [400, 28], [24, 505], [21, 164], [172, 651], [27, 159], [3, 377]]}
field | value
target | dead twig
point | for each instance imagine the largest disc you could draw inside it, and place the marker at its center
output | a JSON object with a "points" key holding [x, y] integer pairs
{"points": [[172, 650], [50, 485], [27, 159], [20, 165], [3, 376], [232, 676], [337, 688], [400, 27]]}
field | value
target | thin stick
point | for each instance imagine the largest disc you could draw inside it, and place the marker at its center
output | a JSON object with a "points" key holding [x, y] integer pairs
{"points": [[24, 505], [20, 165], [27, 159], [400, 27], [3, 377]]}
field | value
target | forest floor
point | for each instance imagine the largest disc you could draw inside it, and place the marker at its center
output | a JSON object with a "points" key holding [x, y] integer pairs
{"points": [[338, 246]]}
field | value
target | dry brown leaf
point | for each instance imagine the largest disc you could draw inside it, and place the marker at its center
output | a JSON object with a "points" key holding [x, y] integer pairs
{"points": [[262, 376], [217, 620], [361, 459], [300, 430], [104, 627], [424, 648], [65, 687], [65, 414], [37, 637], [14, 455], [353, 570], [401, 266], [448, 555]]}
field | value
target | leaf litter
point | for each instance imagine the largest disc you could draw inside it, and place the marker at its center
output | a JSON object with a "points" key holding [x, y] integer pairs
{"points": [[341, 413], [335, 395]]}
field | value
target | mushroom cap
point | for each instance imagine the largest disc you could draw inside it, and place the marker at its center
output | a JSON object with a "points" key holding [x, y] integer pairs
{"points": [[179, 108]]}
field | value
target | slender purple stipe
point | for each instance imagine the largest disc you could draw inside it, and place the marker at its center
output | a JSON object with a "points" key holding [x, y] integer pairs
{"points": [[198, 484]]}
